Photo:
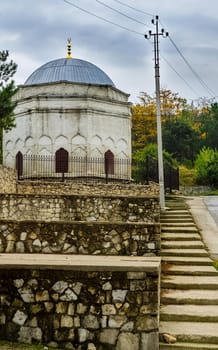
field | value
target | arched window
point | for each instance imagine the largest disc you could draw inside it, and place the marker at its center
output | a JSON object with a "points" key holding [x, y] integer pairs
{"points": [[109, 162], [61, 161], [19, 165]]}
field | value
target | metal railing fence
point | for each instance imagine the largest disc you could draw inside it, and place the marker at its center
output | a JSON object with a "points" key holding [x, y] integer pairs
{"points": [[90, 169]]}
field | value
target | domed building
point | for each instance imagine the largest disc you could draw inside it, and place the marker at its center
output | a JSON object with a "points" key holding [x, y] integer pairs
{"points": [[69, 111]]}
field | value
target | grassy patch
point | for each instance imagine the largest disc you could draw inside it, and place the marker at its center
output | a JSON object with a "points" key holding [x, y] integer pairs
{"points": [[215, 264], [212, 193], [207, 193]]}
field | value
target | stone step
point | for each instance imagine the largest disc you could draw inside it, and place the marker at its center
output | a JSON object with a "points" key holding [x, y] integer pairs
{"points": [[199, 270], [193, 332], [178, 260], [189, 313], [176, 220], [189, 282], [181, 211], [187, 346], [179, 229], [178, 224], [173, 211], [174, 217], [176, 214], [182, 244], [184, 252], [191, 296], [180, 236]]}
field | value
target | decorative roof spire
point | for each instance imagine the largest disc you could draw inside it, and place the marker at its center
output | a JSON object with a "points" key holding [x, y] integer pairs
{"points": [[69, 48]]}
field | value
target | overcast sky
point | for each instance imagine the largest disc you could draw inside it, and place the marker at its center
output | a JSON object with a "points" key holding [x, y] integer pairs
{"points": [[36, 31]]}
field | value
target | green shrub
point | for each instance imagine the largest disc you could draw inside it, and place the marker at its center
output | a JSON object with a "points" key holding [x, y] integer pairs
{"points": [[206, 166], [187, 177], [145, 163]]}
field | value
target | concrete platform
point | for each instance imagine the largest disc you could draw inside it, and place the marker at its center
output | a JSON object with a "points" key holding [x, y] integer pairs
{"points": [[187, 346], [79, 262]]}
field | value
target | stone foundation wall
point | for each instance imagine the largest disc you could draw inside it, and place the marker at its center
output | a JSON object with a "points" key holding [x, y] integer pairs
{"points": [[81, 310], [7, 180], [63, 188], [80, 238], [79, 208]]}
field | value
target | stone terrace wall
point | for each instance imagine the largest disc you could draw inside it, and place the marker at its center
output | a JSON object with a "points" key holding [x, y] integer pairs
{"points": [[81, 310], [79, 208], [80, 238], [63, 188], [7, 180]]}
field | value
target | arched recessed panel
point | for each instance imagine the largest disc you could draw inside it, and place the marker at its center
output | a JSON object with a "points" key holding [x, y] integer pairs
{"points": [[79, 152], [109, 143], [9, 160], [122, 144], [96, 153], [44, 152], [122, 155], [29, 152], [61, 141], [9, 145], [18, 144], [78, 140], [96, 140], [29, 142], [45, 141]]}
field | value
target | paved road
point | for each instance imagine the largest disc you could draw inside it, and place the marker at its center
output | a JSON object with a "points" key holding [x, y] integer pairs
{"points": [[212, 205], [205, 213]]}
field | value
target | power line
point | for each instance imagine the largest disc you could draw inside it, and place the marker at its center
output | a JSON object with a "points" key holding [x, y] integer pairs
{"points": [[201, 81], [102, 18], [121, 13], [211, 92], [134, 8], [179, 75]]}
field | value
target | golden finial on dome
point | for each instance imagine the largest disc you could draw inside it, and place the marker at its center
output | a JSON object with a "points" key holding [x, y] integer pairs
{"points": [[69, 48]]}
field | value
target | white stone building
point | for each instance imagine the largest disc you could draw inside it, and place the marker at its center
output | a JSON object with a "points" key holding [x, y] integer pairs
{"points": [[69, 104]]}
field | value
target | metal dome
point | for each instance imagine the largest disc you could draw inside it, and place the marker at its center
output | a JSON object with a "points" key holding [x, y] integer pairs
{"points": [[69, 69]]}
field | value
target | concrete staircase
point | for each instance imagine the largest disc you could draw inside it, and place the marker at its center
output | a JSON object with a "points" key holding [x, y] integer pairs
{"points": [[189, 284]]}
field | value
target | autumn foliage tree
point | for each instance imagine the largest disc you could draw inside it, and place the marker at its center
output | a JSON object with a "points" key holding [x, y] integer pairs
{"points": [[144, 126], [143, 122], [181, 125]]}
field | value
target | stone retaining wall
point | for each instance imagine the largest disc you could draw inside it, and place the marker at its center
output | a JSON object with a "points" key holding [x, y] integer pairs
{"points": [[81, 310], [63, 188], [79, 208], [7, 180], [80, 238], [194, 190]]}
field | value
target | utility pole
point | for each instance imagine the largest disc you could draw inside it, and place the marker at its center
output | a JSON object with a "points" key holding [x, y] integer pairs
{"points": [[156, 35]]}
